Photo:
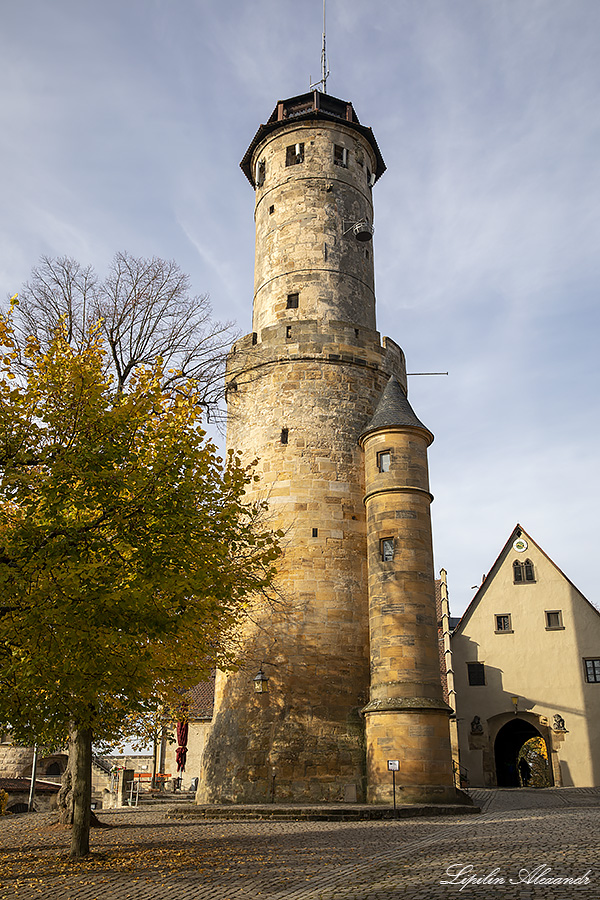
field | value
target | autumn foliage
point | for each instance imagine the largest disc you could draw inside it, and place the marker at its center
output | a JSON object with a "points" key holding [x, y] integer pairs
{"points": [[127, 550]]}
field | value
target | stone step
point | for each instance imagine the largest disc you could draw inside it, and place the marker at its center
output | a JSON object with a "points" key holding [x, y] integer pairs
{"points": [[319, 813]]}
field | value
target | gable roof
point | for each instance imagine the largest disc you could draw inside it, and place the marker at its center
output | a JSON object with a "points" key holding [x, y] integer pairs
{"points": [[517, 532]]}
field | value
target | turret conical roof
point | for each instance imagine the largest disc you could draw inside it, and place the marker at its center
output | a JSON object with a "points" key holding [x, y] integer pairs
{"points": [[394, 411]]}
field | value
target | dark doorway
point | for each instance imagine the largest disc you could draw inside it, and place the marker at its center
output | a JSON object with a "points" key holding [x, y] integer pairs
{"points": [[509, 741]]}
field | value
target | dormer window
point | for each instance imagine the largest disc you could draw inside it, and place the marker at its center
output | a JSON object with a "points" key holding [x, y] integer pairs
{"points": [[294, 154]]}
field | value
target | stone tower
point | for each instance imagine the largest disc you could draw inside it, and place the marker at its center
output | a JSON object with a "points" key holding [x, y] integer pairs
{"points": [[302, 388]]}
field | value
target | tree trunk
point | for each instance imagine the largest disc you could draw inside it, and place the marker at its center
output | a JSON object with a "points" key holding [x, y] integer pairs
{"points": [[80, 743], [75, 795]]}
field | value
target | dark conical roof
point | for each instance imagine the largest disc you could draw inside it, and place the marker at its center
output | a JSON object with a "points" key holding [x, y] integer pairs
{"points": [[394, 411]]}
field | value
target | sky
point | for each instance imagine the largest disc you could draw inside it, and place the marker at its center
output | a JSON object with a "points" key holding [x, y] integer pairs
{"points": [[122, 125]]}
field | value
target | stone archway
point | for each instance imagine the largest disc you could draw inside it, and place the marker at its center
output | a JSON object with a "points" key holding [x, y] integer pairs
{"points": [[509, 740]]}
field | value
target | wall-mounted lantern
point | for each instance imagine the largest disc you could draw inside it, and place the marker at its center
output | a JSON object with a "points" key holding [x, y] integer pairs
{"points": [[261, 682], [515, 701]]}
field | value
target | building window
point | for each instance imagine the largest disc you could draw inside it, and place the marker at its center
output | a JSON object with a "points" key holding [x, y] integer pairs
{"points": [[271, 209], [260, 173], [592, 670], [476, 673], [503, 623], [288, 331], [383, 460], [553, 620], [284, 435], [292, 301], [254, 338], [340, 156], [523, 571], [386, 549], [294, 154], [315, 532]]}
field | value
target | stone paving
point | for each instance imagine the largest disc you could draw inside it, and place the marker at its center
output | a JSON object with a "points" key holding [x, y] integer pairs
{"points": [[522, 836]]}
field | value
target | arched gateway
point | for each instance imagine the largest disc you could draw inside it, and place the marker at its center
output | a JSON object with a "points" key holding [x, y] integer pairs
{"points": [[507, 746]]}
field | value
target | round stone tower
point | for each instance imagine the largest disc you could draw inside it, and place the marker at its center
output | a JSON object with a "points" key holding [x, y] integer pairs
{"points": [[300, 390], [407, 717]]}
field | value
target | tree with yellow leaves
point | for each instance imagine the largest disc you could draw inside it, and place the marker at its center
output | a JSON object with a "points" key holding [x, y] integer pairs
{"points": [[127, 549]]}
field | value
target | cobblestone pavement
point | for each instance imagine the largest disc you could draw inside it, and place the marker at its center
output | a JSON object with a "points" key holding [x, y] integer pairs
{"points": [[146, 856]]}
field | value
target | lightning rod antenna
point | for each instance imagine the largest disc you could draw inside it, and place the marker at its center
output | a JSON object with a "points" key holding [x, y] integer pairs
{"points": [[324, 69]]}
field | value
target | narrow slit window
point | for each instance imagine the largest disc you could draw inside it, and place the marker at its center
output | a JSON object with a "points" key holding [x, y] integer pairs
{"points": [[260, 172], [254, 338], [284, 435], [386, 548], [271, 209], [384, 459], [288, 331], [315, 532], [292, 301], [294, 154]]}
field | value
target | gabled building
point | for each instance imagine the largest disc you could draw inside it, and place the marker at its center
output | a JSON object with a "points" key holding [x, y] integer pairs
{"points": [[526, 663]]}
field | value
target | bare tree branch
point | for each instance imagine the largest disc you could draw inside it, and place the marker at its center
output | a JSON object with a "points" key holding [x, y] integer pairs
{"points": [[145, 309]]}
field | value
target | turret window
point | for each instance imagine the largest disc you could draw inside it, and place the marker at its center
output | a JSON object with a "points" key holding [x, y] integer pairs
{"points": [[284, 435], [384, 459], [523, 571], [340, 156], [292, 301], [261, 169], [386, 549], [294, 154]]}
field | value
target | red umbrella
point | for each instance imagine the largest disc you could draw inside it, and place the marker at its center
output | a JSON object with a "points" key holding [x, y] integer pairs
{"points": [[182, 739]]}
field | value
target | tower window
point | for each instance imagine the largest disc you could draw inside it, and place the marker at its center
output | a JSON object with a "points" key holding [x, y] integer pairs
{"points": [[554, 620], [292, 301], [383, 460], [476, 673], [261, 169], [503, 623], [284, 435], [315, 532], [288, 331], [523, 571], [254, 338], [271, 210], [592, 670], [386, 549], [340, 156], [294, 154]]}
